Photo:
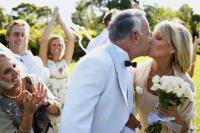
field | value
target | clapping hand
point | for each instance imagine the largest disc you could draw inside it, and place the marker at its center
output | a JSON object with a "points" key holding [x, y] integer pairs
{"points": [[40, 89], [30, 102], [55, 12]]}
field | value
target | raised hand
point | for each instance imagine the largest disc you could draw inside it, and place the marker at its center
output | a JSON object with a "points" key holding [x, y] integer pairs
{"points": [[55, 12], [59, 19], [196, 41]]}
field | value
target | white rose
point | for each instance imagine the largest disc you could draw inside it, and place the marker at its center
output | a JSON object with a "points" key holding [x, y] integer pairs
{"points": [[165, 85], [180, 92], [174, 85], [156, 79], [187, 91], [170, 84], [139, 90], [155, 87]]}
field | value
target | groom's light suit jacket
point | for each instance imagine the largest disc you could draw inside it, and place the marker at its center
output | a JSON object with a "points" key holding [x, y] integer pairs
{"points": [[100, 94]]}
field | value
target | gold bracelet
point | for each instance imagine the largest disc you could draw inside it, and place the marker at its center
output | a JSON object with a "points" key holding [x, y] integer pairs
{"points": [[24, 130]]}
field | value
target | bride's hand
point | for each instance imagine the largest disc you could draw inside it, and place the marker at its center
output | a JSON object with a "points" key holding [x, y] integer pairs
{"points": [[171, 111]]}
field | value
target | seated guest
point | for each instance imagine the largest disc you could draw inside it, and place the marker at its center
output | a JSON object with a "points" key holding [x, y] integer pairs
{"points": [[25, 103], [17, 36]]}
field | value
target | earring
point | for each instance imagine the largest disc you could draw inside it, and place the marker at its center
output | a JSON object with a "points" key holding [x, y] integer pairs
{"points": [[171, 52]]}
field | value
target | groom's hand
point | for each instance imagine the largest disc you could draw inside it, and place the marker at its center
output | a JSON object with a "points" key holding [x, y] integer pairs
{"points": [[133, 123]]}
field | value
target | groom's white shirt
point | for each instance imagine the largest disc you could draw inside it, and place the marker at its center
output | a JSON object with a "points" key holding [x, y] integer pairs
{"points": [[100, 95]]}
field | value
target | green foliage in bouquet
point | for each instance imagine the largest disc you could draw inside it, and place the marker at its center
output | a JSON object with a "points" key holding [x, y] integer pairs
{"points": [[165, 99], [154, 128]]}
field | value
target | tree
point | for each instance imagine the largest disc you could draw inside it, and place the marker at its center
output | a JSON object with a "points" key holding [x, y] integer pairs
{"points": [[155, 14], [119, 4], [86, 16], [31, 13], [4, 19], [185, 13], [191, 20]]}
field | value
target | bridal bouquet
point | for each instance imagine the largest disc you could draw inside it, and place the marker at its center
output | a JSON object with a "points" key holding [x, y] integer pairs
{"points": [[170, 88]]}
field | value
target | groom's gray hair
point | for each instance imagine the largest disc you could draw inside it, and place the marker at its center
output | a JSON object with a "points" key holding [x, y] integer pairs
{"points": [[125, 22]]}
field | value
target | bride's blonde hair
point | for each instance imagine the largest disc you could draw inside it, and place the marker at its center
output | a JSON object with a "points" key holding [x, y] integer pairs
{"points": [[180, 39]]}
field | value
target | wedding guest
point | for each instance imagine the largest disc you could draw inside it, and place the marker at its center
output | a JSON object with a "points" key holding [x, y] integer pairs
{"points": [[103, 37], [25, 103], [18, 36], [57, 55], [135, 4], [195, 44], [171, 50]]}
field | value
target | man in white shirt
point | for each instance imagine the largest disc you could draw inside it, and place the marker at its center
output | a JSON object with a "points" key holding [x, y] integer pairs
{"points": [[17, 36], [102, 38], [100, 94]]}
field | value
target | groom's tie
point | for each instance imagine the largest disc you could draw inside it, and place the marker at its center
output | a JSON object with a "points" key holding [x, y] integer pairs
{"points": [[128, 63]]}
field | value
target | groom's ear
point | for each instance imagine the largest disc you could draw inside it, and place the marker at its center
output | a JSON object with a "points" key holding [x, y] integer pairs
{"points": [[133, 36]]}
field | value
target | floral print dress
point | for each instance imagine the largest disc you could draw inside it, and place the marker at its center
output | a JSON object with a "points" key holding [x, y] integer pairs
{"points": [[57, 82]]}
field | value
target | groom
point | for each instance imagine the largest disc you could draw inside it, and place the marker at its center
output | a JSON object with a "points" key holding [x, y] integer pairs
{"points": [[100, 95]]}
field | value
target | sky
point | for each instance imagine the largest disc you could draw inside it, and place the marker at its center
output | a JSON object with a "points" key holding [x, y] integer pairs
{"points": [[66, 7]]}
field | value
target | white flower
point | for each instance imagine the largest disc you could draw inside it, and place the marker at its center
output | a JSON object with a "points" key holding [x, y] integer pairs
{"points": [[139, 90], [180, 92], [155, 87], [156, 79], [172, 84], [165, 84], [187, 91]]}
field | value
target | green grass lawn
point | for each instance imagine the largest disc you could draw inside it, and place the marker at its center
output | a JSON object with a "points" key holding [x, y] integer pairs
{"points": [[196, 79]]}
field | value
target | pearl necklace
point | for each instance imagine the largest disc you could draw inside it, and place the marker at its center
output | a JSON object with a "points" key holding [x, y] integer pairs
{"points": [[14, 97]]}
